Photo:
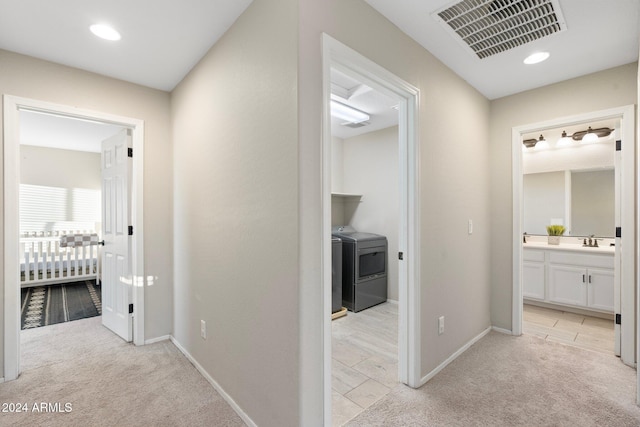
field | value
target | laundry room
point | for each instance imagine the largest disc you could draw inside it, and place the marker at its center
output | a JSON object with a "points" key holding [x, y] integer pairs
{"points": [[365, 220], [365, 176]]}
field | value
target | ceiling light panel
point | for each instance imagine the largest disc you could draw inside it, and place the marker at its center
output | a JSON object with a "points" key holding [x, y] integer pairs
{"points": [[489, 27]]}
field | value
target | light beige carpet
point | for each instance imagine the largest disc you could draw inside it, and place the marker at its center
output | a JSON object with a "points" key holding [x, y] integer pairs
{"points": [[516, 381], [108, 382]]}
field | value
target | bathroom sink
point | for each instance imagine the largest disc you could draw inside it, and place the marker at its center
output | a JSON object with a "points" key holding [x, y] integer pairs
{"points": [[569, 247]]}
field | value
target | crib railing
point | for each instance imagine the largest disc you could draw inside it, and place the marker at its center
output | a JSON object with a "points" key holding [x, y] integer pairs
{"points": [[44, 261]]}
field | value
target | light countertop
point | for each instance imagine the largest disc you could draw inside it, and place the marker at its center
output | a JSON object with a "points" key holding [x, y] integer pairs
{"points": [[570, 247]]}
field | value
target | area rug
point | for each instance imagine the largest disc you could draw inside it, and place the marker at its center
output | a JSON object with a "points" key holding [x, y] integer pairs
{"points": [[47, 305]]}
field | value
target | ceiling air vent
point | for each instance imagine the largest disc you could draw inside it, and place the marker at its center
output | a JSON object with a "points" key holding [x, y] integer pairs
{"points": [[489, 27], [356, 125]]}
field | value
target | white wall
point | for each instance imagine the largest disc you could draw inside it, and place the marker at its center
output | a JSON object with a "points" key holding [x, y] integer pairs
{"points": [[611, 88], [78, 190], [36, 79], [236, 226], [59, 168], [337, 165], [370, 163], [589, 156]]}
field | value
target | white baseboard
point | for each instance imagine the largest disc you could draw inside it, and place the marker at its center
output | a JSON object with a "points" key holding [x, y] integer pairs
{"points": [[158, 339], [502, 330], [215, 385], [392, 301], [453, 357], [1, 380]]}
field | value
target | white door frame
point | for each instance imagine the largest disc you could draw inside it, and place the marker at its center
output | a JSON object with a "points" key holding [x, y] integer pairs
{"points": [[339, 56], [12, 107], [626, 115]]}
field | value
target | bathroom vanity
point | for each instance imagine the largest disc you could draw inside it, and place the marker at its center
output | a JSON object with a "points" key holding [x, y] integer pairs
{"points": [[569, 275]]}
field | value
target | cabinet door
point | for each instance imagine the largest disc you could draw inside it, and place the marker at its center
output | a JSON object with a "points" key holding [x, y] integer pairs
{"points": [[567, 285], [533, 280], [600, 289]]}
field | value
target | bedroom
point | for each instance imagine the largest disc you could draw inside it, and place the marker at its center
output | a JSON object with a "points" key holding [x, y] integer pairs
{"points": [[60, 201]]}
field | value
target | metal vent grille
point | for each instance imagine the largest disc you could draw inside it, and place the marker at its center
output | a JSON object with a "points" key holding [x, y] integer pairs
{"points": [[489, 27]]}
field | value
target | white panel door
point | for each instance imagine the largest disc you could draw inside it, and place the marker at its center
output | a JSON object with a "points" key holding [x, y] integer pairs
{"points": [[116, 268]]}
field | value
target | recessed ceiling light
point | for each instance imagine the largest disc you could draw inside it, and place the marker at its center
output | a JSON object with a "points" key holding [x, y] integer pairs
{"points": [[105, 32], [536, 57]]}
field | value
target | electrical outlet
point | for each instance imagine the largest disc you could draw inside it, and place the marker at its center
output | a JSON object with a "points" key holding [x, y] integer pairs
{"points": [[440, 325], [203, 329]]}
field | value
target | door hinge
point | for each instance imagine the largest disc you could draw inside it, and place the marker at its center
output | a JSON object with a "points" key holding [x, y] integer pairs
{"points": [[618, 145], [131, 230], [130, 308], [130, 152], [400, 255], [618, 231], [618, 319]]}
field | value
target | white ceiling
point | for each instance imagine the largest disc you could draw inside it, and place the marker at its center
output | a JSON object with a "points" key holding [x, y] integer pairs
{"points": [[351, 92], [45, 130], [600, 34], [161, 39]]}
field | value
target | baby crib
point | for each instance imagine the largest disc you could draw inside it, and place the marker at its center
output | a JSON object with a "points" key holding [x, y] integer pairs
{"points": [[45, 259]]}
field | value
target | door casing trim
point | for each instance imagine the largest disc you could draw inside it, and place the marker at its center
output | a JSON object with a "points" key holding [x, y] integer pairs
{"points": [[11, 166]]}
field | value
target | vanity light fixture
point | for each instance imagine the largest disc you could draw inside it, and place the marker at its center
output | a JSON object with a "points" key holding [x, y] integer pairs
{"points": [[105, 32], [348, 113], [584, 136]]}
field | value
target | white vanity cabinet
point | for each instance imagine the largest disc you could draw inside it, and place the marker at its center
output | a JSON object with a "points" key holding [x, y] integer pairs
{"points": [[576, 278], [567, 285], [533, 274], [600, 289]]}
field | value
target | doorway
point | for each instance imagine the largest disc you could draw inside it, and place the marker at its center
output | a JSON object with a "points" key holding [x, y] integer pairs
{"points": [[624, 264], [13, 106], [341, 58], [365, 197]]}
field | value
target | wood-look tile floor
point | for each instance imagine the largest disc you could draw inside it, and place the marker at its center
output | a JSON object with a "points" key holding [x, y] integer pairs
{"points": [[364, 359], [587, 332]]}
